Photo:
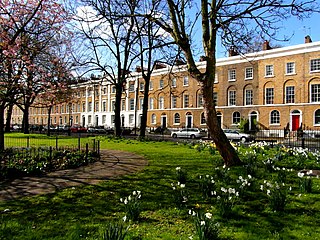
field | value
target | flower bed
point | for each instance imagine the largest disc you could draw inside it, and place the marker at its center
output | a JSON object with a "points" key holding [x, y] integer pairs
{"points": [[19, 162]]}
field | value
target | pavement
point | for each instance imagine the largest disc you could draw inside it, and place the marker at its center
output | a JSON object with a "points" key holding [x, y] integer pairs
{"points": [[112, 164]]}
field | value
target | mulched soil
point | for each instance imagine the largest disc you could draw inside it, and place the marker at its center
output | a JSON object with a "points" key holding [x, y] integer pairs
{"points": [[112, 164]]}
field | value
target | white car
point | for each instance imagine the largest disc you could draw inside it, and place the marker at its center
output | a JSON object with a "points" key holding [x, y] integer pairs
{"points": [[236, 135], [189, 133]]}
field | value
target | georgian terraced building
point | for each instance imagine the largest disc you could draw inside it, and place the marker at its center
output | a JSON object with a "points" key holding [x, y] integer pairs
{"points": [[273, 88]]}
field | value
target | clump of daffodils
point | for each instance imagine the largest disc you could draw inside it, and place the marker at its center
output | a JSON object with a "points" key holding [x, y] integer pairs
{"points": [[206, 227], [132, 206]]}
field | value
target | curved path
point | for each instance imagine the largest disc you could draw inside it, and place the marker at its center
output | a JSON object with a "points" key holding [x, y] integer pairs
{"points": [[112, 164]]}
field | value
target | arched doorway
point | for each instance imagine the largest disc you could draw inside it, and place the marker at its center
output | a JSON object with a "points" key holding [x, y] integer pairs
{"points": [[163, 120], [189, 120], [295, 119], [253, 119]]}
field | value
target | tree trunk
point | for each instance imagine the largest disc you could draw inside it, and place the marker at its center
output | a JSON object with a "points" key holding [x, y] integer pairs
{"points": [[26, 120], [144, 117], [49, 118], [1, 127], [117, 117], [223, 145], [8, 120]]}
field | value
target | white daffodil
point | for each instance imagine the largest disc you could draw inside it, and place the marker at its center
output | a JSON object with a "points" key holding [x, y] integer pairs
{"points": [[202, 223], [208, 215]]}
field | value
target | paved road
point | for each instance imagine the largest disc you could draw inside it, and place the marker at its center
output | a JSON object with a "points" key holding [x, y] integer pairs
{"points": [[112, 164]]}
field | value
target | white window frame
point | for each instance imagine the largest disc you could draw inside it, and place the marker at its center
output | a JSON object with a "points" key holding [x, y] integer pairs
{"points": [[248, 73], [248, 97], [232, 75], [232, 97], [175, 119], [174, 82], [151, 103], [315, 65], [131, 104], [274, 119], [131, 87], [113, 105], [185, 81], [161, 102], [141, 87], [186, 100], [153, 119], [173, 101], [290, 94], [140, 103], [269, 70], [316, 116], [200, 100], [315, 93], [290, 68], [236, 119], [161, 84], [131, 119], [104, 106], [269, 96]]}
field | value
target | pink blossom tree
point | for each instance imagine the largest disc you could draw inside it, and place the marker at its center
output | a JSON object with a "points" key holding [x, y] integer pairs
{"points": [[26, 29]]}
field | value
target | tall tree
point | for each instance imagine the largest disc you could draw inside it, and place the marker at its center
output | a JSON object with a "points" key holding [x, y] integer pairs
{"points": [[16, 18], [154, 47], [107, 27], [233, 21]]}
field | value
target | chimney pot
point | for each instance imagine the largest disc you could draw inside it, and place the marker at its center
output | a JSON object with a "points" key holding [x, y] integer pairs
{"points": [[232, 52], [307, 39], [266, 45]]}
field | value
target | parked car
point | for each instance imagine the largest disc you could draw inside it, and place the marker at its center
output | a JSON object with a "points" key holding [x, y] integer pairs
{"points": [[52, 128], [62, 128], [97, 129], [238, 136], [189, 133], [110, 131], [16, 127], [78, 129]]}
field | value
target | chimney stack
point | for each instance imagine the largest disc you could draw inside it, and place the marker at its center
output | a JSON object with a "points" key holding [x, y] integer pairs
{"points": [[307, 39], [202, 58], [138, 69], [232, 52], [266, 46]]}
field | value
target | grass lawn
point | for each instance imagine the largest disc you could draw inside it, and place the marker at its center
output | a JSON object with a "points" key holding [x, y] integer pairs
{"points": [[269, 174]]}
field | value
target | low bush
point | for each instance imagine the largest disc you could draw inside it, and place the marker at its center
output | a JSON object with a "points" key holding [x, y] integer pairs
{"points": [[18, 162]]}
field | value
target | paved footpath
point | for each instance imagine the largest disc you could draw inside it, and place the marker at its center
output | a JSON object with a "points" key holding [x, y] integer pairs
{"points": [[113, 163]]}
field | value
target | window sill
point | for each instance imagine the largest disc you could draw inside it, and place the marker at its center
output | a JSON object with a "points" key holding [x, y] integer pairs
{"points": [[274, 124], [269, 76], [232, 80], [290, 74], [246, 79]]}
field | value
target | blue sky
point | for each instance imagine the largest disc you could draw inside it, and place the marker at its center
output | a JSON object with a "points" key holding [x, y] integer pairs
{"points": [[298, 29]]}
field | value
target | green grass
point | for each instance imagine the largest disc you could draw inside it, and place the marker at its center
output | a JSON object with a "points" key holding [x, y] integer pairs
{"points": [[83, 212]]}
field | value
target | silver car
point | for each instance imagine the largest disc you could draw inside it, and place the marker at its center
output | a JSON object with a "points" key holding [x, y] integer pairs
{"points": [[236, 135], [189, 133]]}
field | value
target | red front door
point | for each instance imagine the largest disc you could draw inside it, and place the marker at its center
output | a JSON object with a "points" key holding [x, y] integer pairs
{"points": [[295, 122]]}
